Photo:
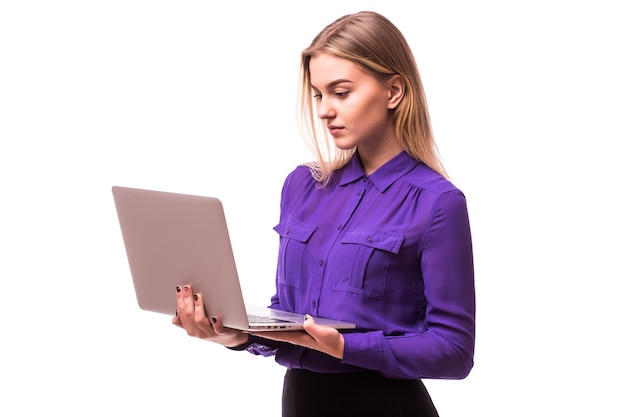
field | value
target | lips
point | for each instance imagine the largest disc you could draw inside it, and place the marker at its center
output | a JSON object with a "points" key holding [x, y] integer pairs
{"points": [[334, 130]]}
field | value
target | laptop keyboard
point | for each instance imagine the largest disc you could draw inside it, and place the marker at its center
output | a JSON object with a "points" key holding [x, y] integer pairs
{"points": [[254, 318]]}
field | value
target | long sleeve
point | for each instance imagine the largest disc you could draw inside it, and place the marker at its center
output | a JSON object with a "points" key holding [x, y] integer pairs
{"points": [[446, 346]]}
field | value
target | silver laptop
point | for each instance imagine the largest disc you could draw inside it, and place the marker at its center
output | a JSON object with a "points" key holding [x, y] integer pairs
{"points": [[174, 239]]}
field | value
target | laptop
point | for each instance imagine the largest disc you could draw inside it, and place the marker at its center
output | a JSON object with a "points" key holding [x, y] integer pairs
{"points": [[173, 239]]}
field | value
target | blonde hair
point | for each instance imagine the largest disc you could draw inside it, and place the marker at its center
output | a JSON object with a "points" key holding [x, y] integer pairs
{"points": [[371, 41]]}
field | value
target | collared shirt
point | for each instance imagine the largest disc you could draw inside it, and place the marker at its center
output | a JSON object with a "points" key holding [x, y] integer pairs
{"points": [[390, 252]]}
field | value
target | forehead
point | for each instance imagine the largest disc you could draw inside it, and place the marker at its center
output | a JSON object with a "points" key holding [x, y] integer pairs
{"points": [[326, 69]]}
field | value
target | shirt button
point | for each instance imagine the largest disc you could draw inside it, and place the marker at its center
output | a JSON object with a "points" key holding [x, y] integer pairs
{"points": [[287, 231], [359, 192], [339, 227], [314, 304], [321, 263], [369, 240]]}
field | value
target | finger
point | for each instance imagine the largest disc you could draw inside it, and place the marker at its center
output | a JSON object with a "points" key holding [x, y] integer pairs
{"points": [[319, 333], [200, 317], [187, 310], [218, 326], [310, 326], [184, 304], [176, 320]]}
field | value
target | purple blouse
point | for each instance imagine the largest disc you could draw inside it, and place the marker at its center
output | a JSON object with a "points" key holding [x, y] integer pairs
{"points": [[391, 252]]}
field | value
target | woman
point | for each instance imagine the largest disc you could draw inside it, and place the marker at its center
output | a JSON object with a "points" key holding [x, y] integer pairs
{"points": [[372, 232]]}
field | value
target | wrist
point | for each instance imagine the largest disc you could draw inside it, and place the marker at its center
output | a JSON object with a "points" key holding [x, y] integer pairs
{"points": [[240, 342]]}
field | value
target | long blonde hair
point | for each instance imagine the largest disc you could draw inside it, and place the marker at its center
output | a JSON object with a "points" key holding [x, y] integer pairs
{"points": [[371, 41]]}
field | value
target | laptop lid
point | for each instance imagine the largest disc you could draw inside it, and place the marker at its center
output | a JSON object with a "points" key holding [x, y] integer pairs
{"points": [[174, 239]]}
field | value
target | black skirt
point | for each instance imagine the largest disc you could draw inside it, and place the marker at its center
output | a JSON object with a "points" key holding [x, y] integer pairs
{"points": [[358, 394]]}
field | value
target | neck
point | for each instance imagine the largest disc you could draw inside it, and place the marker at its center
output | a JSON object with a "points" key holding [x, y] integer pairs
{"points": [[372, 159]]}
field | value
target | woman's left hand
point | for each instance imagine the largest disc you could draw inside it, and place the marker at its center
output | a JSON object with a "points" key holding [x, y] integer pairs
{"points": [[322, 338]]}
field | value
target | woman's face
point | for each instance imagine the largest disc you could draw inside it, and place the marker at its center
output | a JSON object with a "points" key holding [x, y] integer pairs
{"points": [[355, 106]]}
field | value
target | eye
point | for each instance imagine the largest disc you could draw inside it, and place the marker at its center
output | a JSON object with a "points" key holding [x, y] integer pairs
{"points": [[317, 96], [341, 93]]}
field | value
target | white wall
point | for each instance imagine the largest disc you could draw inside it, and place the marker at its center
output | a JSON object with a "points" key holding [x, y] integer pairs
{"points": [[528, 105]]}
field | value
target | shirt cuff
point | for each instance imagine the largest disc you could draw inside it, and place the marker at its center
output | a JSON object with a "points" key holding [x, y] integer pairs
{"points": [[258, 346], [242, 346], [363, 350]]}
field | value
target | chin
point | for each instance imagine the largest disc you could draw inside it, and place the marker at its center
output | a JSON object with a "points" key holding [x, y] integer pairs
{"points": [[345, 145]]}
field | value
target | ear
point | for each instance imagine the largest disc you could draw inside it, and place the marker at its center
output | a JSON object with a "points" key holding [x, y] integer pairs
{"points": [[396, 92]]}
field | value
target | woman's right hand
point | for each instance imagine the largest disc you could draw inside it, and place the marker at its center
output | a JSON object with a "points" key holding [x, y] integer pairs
{"points": [[191, 316]]}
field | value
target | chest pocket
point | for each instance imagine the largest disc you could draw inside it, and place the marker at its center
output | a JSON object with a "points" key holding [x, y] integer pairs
{"points": [[362, 259], [294, 236]]}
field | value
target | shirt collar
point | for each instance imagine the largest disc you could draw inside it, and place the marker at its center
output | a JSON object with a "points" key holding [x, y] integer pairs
{"points": [[383, 177]]}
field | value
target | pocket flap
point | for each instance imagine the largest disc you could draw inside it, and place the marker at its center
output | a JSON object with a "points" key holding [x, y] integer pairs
{"points": [[293, 229], [387, 241]]}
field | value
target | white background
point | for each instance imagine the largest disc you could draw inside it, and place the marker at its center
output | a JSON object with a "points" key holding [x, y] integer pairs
{"points": [[528, 103]]}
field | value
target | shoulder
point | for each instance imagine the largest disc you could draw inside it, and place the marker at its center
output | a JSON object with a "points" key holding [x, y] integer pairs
{"points": [[430, 181], [299, 180], [300, 175], [438, 195]]}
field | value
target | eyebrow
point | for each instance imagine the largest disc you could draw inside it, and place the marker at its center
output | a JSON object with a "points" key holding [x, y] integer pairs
{"points": [[334, 83]]}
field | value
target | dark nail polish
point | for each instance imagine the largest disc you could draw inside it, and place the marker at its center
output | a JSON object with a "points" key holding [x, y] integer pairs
{"points": [[177, 289], [214, 319], [195, 297]]}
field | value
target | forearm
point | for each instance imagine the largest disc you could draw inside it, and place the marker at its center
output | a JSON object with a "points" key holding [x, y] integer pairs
{"points": [[427, 355]]}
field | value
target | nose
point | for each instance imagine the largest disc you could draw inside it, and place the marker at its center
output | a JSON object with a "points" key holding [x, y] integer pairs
{"points": [[325, 110]]}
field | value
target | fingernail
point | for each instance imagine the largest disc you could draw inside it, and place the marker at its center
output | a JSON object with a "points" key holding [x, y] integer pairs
{"points": [[176, 313], [195, 297], [186, 288], [214, 319], [306, 317], [177, 289]]}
